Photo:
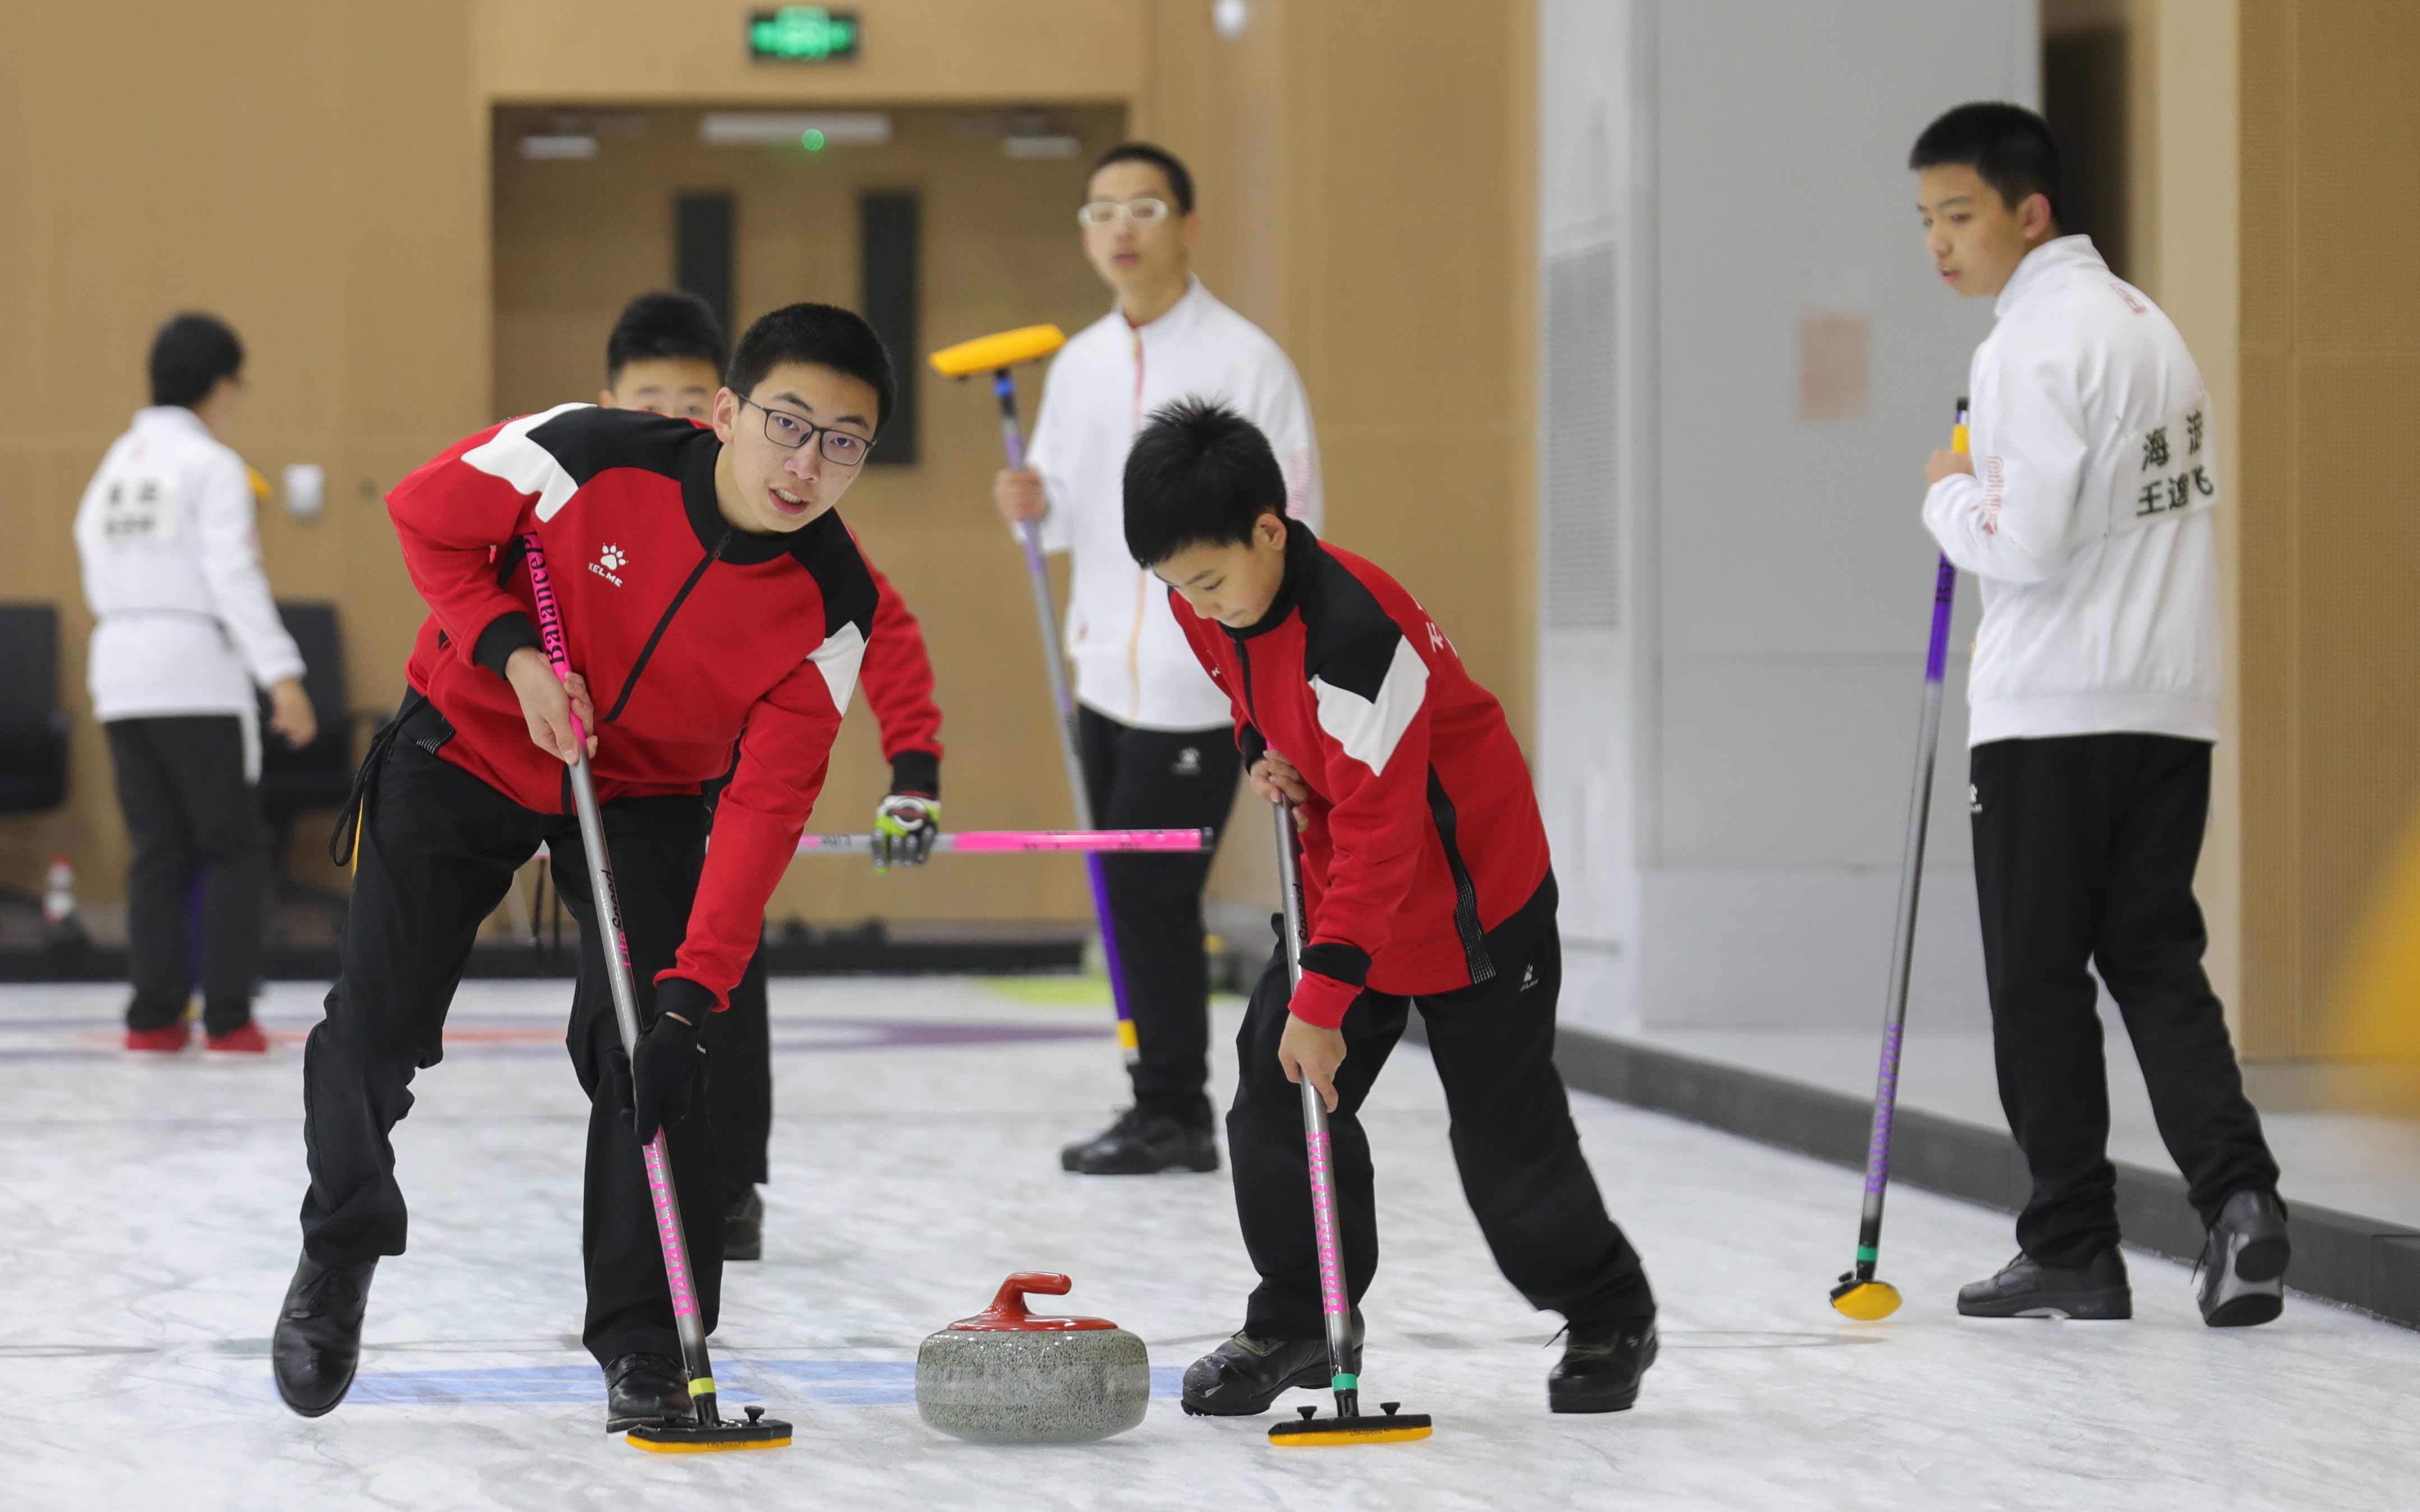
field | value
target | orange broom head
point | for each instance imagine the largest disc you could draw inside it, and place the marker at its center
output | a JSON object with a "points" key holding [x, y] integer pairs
{"points": [[1868, 1301], [1006, 348], [1309, 1432], [758, 1433]]}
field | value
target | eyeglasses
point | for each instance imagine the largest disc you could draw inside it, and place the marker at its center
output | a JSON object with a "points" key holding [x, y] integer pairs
{"points": [[786, 430], [1144, 211]]}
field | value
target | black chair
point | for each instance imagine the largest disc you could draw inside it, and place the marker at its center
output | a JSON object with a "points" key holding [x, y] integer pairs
{"points": [[33, 726], [294, 782]]}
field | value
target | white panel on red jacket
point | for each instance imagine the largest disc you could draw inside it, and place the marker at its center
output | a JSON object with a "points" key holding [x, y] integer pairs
{"points": [[1368, 727], [837, 658], [512, 456]]}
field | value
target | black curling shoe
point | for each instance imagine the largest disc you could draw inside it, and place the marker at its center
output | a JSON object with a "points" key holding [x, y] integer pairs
{"points": [[645, 1388], [1142, 1143], [316, 1344], [743, 1228], [1244, 1374], [1601, 1368], [2241, 1278], [2025, 1288]]}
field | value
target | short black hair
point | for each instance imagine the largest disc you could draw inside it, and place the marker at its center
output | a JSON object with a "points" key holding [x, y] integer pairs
{"points": [[665, 323], [823, 334], [2008, 147], [188, 356], [1180, 180], [1200, 474]]}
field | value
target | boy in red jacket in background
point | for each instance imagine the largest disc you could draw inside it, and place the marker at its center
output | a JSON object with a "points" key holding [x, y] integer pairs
{"points": [[666, 356], [711, 596], [1425, 880]]}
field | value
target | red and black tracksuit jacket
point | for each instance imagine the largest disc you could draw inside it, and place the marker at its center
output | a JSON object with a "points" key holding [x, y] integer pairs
{"points": [[693, 636], [1424, 862]]}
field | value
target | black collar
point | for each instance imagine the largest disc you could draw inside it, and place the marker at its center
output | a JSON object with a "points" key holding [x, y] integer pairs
{"points": [[1301, 556], [740, 548]]}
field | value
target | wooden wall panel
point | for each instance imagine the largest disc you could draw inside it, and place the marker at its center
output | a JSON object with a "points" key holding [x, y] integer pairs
{"points": [[929, 52], [2357, 684], [2192, 194], [310, 172], [2357, 208], [2331, 363], [2269, 945], [1373, 208]]}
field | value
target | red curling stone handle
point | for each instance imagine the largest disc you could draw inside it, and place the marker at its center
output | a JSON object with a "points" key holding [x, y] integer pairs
{"points": [[1007, 1312]]}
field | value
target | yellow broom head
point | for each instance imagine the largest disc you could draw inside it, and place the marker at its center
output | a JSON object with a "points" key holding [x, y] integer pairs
{"points": [[1314, 1433], [1006, 348], [1868, 1301], [758, 1433]]}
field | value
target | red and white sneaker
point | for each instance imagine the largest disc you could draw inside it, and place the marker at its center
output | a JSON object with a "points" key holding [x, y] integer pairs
{"points": [[245, 1040], [168, 1040]]}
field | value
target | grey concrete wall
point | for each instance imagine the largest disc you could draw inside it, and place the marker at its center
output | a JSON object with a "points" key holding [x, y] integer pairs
{"points": [[1725, 761]]}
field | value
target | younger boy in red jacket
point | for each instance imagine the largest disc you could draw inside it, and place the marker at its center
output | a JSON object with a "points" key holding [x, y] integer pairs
{"points": [[711, 596], [1426, 881]]}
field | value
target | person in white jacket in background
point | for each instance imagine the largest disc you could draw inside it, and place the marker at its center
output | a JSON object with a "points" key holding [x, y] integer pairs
{"points": [[2087, 507], [1157, 745], [184, 628]]}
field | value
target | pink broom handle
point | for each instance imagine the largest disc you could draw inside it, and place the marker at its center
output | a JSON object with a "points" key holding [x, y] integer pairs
{"points": [[1320, 1150], [1008, 841], [687, 1320], [1003, 841]]}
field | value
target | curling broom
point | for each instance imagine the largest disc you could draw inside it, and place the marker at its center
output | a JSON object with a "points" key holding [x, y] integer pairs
{"points": [[1348, 1426], [997, 354], [709, 1433], [1859, 1295]]}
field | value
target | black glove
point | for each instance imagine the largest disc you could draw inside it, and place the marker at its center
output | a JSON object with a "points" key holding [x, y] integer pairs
{"points": [[669, 1077]]}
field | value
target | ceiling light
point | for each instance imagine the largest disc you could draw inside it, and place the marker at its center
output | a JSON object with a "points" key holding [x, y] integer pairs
{"points": [[559, 145], [768, 128]]}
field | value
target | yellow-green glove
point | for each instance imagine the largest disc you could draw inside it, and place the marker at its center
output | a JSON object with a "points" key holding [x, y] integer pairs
{"points": [[904, 827]]}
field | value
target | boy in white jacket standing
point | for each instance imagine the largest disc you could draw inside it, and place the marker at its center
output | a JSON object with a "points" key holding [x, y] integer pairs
{"points": [[2086, 508], [1156, 740], [183, 628]]}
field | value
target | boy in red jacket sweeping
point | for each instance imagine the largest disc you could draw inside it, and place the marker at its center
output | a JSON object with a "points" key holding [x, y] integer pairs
{"points": [[711, 596], [1426, 881]]}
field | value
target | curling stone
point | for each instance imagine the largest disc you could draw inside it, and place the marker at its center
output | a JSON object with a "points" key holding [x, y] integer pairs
{"points": [[1005, 1376]]}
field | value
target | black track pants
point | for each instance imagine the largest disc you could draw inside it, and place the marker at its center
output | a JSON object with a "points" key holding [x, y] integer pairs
{"points": [[190, 811], [739, 1082], [1162, 780], [439, 849], [1513, 1141], [738, 1072], [2085, 850]]}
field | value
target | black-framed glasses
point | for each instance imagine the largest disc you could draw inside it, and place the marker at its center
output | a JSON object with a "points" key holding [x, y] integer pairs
{"points": [[1143, 211], [789, 432]]}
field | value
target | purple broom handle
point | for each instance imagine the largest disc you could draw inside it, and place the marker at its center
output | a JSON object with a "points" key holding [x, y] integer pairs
{"points": [[1062, 702], [1928, 741]]}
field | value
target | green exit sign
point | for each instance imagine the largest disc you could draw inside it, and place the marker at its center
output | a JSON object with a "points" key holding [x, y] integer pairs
{"points": [[804, 34]]}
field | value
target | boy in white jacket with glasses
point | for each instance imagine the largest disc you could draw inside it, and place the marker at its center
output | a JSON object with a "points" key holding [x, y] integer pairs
{"points": [[1153, 732]]}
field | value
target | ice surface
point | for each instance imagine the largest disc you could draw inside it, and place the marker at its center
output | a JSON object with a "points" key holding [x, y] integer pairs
{"points": [[148, 1229]]}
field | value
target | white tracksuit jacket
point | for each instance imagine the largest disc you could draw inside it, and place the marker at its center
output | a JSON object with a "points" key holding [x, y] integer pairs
{"points": [[2090, 519], [184, 619], [1131, 661]]}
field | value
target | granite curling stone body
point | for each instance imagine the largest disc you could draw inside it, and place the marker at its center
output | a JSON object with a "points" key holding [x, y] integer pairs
{"points": [[1005, 1376]]}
